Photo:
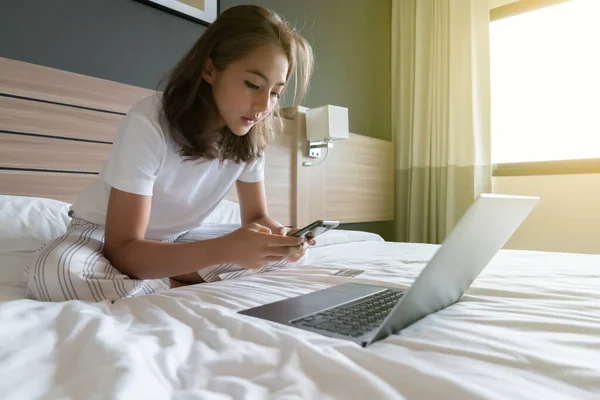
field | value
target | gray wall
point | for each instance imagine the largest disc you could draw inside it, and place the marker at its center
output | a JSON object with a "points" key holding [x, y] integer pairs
{"points": [[120, 40], [130, 42]]}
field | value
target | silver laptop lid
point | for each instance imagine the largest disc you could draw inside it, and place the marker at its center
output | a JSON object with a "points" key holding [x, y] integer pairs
{"points": [[482, 231]]}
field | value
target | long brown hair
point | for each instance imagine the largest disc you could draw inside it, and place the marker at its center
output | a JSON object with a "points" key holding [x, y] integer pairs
{"points": [[187, 100]]}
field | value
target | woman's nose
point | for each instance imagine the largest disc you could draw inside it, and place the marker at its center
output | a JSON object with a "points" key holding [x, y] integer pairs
{"points": [[261, 102]]}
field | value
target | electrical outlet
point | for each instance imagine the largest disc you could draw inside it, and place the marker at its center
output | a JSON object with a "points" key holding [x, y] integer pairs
{"points": [[315, 153]]}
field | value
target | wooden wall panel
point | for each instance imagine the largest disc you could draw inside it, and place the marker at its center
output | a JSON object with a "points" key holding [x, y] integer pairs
{"points": [[49, 84], [17, 115], [355, 183], [32, 152], [359, 180], [59, 186]]}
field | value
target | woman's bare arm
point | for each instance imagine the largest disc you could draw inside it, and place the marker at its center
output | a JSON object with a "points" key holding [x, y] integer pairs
{"points": [[126, 248]]}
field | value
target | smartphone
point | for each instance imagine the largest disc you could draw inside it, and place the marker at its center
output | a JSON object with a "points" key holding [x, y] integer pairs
{"points": [[314, 229]]}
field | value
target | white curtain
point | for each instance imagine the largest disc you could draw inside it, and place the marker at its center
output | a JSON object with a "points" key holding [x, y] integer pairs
{"points": [[440, 113]]}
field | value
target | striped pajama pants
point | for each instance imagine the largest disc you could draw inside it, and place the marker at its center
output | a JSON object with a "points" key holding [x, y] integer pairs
{"points": [[73, 267]]}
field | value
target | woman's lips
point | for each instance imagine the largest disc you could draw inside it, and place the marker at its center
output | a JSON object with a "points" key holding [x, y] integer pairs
{"points": [[249, 121]]}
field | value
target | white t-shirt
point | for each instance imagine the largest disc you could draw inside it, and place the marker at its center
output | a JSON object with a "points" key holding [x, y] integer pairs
{"points": [[144, 160]]}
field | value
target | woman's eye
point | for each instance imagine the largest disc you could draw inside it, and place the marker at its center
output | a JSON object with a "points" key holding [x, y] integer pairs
{"points": [[275, 95], [250, 85]]}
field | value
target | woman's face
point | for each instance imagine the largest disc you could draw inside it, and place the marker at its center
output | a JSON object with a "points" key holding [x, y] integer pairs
{"points": [[246, 90]]}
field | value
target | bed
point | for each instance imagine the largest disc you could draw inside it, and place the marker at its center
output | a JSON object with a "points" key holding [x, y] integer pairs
{"points": [[528, 328]]}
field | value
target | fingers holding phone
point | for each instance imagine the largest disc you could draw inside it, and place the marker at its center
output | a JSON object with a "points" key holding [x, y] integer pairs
{"points": [[285, 231], [253, 246], [310, 232]]}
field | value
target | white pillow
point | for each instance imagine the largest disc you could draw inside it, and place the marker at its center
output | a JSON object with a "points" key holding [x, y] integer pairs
{"points": [[227, 212], [339, 236], [26, 224]]}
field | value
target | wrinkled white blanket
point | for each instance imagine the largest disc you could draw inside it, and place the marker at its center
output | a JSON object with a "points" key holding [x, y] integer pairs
{"points": [[529, 328]]}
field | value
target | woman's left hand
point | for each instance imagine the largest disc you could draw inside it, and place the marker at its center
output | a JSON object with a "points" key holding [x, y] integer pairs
{"points": [[285, 231]]}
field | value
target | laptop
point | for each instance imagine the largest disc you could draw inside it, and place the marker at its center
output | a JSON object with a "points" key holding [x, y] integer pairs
{"points": [[365, 314]]}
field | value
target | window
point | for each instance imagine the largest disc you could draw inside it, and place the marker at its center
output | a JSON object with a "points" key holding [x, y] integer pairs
{"points": [[545, 84]]}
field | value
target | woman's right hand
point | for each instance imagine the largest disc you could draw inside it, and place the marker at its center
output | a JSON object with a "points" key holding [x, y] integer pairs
{"points": [[253, 246]]}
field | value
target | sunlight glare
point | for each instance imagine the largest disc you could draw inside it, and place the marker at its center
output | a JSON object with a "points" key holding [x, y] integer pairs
{"points": [[545, 84]]}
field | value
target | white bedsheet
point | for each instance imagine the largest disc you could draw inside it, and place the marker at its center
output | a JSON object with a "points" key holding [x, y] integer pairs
{"points": [[529, 328]]}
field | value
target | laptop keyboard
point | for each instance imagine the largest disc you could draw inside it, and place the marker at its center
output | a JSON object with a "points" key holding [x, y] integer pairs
{"points": [[356, 318]]}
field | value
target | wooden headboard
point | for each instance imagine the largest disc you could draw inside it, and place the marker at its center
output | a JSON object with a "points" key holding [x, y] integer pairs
{"points": [[57, 127]]}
